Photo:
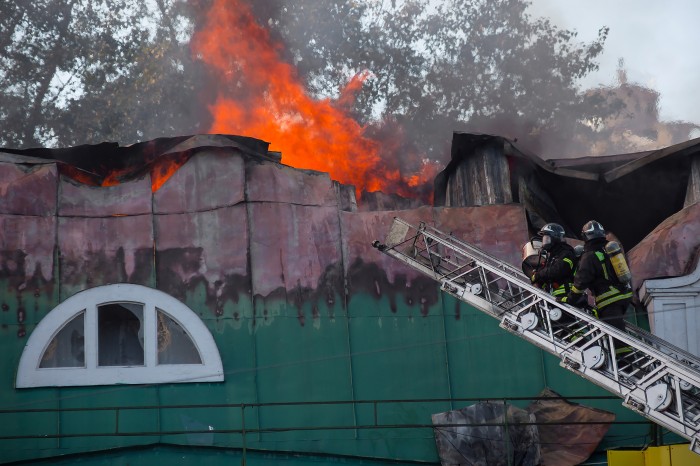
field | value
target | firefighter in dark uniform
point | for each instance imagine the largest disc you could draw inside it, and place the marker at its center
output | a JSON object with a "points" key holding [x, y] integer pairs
{"points": [[557, 273], [595, 273]]}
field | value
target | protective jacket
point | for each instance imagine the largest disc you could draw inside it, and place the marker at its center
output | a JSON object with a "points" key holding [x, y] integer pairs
{"points": [[557, 273], [595, 272]]}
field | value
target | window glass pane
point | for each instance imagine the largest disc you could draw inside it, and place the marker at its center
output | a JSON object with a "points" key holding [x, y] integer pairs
{"points": [[174, 344], [120, 334], [67, 349]]}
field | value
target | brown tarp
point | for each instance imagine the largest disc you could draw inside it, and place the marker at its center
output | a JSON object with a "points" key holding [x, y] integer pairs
{"points": [[550, 431], [569, 432]]}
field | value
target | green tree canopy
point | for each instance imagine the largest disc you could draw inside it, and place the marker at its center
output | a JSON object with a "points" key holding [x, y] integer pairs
{"points": [[476, 65], [81, 71]]}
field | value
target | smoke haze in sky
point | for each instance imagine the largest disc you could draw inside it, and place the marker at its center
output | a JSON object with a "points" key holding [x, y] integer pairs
{"points": [[658, 41]]}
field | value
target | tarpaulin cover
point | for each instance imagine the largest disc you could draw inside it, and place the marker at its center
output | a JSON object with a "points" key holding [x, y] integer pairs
{"points": [[569, 432], [483, 435], [551, 431]]}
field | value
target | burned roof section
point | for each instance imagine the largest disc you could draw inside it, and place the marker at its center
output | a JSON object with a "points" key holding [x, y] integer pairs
{"points": [[108, 163], [630, 194]]}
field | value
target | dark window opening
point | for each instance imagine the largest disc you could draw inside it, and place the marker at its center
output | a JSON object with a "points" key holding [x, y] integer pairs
{"points": [[120, 334]]}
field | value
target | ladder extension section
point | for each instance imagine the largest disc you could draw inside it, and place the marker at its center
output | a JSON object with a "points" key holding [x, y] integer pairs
{"points": [[656, 379]]}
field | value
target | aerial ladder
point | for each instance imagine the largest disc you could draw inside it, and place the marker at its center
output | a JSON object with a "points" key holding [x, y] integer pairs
{"points": [[656, 379]]}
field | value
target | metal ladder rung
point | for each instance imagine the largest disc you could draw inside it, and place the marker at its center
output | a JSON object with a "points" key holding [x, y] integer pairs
{"points": [[696, 417], [691, 412], [636, 362]]}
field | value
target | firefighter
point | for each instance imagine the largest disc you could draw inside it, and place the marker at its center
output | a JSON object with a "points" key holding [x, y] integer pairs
{"points": [[595, 273], [556, 274]]}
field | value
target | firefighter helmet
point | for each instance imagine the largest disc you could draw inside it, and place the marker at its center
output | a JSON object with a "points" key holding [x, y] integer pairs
{"points": [[554, 230], [551, 233], [592, 230]]}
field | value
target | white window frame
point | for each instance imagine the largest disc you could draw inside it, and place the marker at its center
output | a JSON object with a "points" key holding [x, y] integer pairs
{"points": [[29, 374]]}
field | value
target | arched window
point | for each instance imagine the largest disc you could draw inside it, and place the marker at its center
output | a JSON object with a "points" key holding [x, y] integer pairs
{"points": [[119, 334]]}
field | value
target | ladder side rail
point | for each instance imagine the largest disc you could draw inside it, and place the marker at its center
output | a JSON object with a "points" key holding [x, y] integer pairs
{"points": [[477, 253], [481, 254], [602, 326], [647, 351], [667, 347], [672, 371], [636, 394]]}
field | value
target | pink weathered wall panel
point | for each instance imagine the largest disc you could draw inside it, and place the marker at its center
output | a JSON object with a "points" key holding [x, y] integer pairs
{"points": [[28, 189], [669, 250], [27, 247], [204, 248], [98, 251], [27, 280], [497, 229], [500, 230], [360, 229], [131, 198], [280, 183], [292, 246], [207, 181]]}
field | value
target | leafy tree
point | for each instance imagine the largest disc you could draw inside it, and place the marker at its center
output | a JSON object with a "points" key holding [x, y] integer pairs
{"points": [[79, 71], [483, 65], [153, 93], [85, 71]]}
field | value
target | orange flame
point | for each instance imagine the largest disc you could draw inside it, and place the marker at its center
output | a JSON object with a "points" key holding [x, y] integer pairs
{"points": [[261, 96], [165, 167]]}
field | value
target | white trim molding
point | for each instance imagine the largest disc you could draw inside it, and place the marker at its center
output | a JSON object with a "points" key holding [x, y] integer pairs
{"points": [[672, 305], [30, 374]]}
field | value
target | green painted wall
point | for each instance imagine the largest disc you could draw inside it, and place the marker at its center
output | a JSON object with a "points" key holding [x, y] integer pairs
{"points": [[366, 353]]}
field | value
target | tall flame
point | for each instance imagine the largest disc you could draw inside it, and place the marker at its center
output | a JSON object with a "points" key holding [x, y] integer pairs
{"points": [[261, 96]]}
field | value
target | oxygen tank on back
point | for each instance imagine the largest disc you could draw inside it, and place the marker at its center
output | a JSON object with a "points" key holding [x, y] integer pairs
{"points": [[617, 259]]}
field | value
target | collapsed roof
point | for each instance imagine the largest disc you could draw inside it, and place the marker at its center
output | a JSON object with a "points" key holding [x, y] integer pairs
{"points": [[109, 163], [630, 194]]}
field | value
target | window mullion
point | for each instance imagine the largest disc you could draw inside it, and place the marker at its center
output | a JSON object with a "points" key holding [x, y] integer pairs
{"points": [[150, 335], [90, 339]]}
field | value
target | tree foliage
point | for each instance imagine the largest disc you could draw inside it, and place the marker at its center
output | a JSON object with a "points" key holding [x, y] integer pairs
{"points": [[80, 71], [84, 71], [477, 65]]}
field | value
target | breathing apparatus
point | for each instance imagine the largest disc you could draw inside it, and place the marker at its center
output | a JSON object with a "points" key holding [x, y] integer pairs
{"points": [[617, 259]]}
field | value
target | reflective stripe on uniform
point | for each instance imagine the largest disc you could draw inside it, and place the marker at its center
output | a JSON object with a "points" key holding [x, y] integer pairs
{"points": [[570, 262], [604, 302], [612, 292]]}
